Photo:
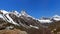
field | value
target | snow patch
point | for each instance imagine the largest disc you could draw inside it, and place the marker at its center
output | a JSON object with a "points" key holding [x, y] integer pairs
{"points": [[34, 26], [1, 16], [45, 21], [10, 20]]}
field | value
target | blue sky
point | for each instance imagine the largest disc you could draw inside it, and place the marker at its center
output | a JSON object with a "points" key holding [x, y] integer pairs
{"points": [[35, 8]]}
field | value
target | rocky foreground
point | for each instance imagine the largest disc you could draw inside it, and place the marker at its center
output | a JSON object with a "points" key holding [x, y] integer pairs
{"points": [[14, 31]]}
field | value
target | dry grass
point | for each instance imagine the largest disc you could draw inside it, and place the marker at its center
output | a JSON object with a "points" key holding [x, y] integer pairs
{"points": [[15, 31]]}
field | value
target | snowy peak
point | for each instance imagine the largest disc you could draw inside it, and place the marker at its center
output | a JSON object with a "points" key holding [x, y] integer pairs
{"points": [[56, 18], [3, 11], [24, 13], [16, 12]]}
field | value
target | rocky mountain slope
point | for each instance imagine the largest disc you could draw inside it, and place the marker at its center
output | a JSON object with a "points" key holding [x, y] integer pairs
{"points": [[24, 22]]}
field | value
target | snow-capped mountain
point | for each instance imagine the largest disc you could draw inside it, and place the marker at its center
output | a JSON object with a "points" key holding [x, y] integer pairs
{"points": [[23, 21], [5, 15], [14, 17]]}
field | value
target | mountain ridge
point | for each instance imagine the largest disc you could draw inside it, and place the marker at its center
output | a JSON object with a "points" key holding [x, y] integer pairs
{"points": [[25, 22]]}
